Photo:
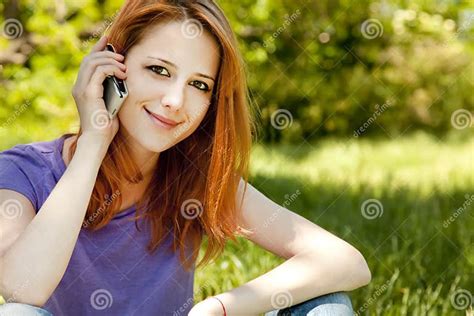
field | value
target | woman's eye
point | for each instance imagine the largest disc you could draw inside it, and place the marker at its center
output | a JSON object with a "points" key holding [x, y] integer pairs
{"points": [[159, 70], [200, 85], [162, 71]]}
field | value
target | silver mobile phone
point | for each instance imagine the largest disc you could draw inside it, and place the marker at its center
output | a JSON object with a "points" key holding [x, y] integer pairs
{"points": [[115, 91]]}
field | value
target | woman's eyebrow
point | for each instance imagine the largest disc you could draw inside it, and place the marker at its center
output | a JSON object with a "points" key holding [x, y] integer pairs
{"points": [[174, 65]]}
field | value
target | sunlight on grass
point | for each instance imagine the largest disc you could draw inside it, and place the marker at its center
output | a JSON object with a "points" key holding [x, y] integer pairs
{"points": [[416, 262]]}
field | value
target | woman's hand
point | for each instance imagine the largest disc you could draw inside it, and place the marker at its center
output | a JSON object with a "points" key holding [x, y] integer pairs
{"points": [[208, 307], [88, 91]]}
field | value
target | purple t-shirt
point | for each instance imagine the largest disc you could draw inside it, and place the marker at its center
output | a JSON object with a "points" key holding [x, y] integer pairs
{"points": [[110, 271]]}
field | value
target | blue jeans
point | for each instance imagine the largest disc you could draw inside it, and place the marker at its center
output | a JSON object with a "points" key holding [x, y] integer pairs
{"points": [[19, 309], [334, 304]]}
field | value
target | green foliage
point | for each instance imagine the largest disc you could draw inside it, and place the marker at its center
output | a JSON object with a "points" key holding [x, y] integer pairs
{"points": [[312, 58]]}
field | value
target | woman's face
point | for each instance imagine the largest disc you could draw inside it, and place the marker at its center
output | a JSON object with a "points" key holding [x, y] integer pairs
{"points": [[170, 74]]}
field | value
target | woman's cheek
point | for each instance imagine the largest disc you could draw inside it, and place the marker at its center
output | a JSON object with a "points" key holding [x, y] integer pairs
{"points": [[194, 118]]}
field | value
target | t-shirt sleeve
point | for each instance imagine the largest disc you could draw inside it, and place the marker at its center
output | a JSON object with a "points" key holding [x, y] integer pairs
{"points": [[15, 174]]}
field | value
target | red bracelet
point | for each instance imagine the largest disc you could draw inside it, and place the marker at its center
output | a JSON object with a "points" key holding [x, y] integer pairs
{"points": [[223, 307]]}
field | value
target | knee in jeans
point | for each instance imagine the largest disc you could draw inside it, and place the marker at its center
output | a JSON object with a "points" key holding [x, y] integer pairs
{"points": [[19, 309]]}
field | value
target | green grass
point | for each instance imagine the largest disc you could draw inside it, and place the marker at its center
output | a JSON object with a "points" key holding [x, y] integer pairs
{"points": [[417, 264]]}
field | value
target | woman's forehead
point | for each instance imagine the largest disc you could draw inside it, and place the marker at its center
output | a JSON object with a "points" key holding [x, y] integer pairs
{"points": [[169, 40]]}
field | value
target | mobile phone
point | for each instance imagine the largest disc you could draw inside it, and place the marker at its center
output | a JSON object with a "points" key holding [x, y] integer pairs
{"points": [[115, 91]]}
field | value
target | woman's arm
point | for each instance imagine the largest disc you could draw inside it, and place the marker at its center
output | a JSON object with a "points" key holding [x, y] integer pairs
{"points": [[318, 262], [32, 267]]}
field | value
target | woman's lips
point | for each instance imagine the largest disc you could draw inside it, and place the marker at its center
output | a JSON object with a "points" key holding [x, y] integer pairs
{"points": [[157, 121]]}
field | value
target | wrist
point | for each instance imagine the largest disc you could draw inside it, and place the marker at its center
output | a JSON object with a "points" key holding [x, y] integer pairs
{"points": [[93, 141], [219, 306]]}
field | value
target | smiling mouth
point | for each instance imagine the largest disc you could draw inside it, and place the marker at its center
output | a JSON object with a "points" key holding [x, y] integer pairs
{"points": [[159, 122]]}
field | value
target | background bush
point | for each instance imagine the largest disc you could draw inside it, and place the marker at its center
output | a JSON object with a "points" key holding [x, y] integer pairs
{"points": [[331, 64]]}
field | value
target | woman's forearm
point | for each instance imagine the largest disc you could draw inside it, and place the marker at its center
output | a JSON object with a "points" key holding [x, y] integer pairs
{"points": [[302, 277], [35, 263]]}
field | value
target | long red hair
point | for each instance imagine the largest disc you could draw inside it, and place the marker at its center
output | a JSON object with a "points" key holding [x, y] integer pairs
{"points": [[202, 171]]}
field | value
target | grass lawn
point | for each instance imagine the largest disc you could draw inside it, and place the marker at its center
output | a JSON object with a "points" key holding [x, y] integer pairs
{"points": [[419, 245]]}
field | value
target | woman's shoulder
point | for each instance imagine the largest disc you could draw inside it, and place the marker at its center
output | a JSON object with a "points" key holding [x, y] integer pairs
{"points": [[32, 169], [34, 155]]}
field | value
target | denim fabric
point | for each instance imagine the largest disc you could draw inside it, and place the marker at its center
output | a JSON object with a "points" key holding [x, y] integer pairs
{"points": [[18, 309], [333, 304]]}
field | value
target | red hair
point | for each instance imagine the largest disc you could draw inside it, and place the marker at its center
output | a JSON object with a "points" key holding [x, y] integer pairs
{"points": [[206, 167]]}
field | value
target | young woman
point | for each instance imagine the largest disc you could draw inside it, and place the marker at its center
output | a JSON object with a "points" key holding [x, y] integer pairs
{"points": [[110, 220]]}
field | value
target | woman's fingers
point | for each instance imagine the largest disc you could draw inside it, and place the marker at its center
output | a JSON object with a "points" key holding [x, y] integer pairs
{"points": [[105, 53], [100, 45], [93, 64], [95, 88]]}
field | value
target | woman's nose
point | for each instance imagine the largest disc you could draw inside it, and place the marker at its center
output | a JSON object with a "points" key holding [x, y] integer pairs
{"points": [[174, 96]]}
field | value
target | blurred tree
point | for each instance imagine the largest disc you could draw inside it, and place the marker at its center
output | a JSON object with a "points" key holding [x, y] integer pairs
{"points": [[315, 68]]}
